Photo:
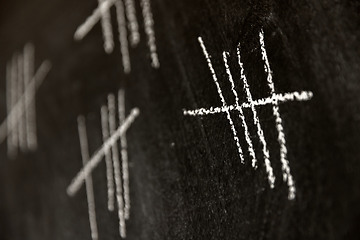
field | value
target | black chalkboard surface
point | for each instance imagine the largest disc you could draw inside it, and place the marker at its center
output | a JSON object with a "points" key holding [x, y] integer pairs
{"points": [[159, 119]]}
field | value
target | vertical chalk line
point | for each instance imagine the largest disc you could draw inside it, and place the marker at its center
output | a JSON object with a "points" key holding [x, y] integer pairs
{"points": [[109, 167], [241, 113], [89, 23], [30, 114], [19, 108], [117, 170], [287, 177], [124, 154], [124, 46], [88, 180], [106, 28], [77, 182], [269, 169], [20, 90], [133, 24], [149, 30], [20, 125], [15, 116], [232, 127]]}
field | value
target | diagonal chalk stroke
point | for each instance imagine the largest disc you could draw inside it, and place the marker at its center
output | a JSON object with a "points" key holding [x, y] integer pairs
{"points": [[89, 23], [269, 169], [273, 100], [287, 177], [232, 127], [122, 11], [98, 156], [19, 109], [298, 96], [124, 154], [109, 167], [88, 180], [241, 114]]}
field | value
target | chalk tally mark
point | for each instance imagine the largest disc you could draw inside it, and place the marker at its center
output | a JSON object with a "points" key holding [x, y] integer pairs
{"points": [[117, 174], [123, 12], [274, 99], [21, 84]]}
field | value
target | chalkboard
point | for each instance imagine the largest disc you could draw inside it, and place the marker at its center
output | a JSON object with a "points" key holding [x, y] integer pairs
{"points": [[159, 119]]}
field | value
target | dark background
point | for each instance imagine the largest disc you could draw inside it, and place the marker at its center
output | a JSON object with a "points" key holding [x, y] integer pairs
{"points": [[186, 179]]}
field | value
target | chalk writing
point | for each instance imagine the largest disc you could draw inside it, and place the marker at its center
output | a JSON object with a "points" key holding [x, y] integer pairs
{"points": [[274, 99], [101, 13], [114, 171], [21, 84]]}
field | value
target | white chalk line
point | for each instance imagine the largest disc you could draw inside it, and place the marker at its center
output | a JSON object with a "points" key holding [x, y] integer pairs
{"points": [[106, 28], [88, 180], [298, 96], [19, 108], [133, 24], [20, 90], [269, 169], [108, 161], [116, 164], [273, 100], [124, 154], [280, 97], [149, 30], [241, 114], [287, 177], [232, 126], [89, 23], [13, 126], [124, 45], [77, 182], [102, 13], [30, 115]]}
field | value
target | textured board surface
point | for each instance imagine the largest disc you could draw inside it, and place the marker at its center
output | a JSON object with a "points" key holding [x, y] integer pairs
{"points": [[263, 149]]}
